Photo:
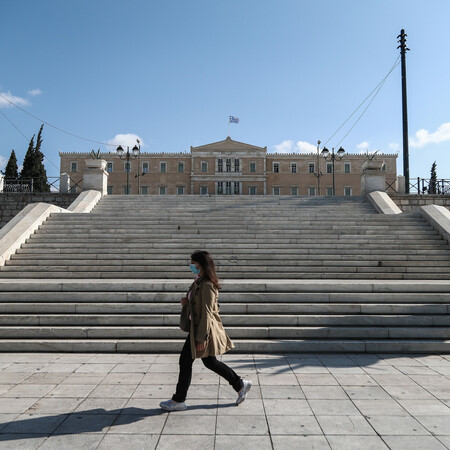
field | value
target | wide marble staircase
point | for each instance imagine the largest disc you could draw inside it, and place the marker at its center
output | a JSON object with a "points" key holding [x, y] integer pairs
{"points": [[300, 274]]}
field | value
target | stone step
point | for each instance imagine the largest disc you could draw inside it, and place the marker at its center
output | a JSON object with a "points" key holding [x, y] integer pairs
{"points": [[250, 231], [241, 345], [230, 286], [245, 320], [152, 265], [359, 301], [139, 332], [84, 307], [361, 274], [158, 258], [77, 252]]}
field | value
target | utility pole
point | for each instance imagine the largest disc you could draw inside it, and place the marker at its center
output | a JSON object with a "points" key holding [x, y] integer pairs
{"points": [[403, 49]]}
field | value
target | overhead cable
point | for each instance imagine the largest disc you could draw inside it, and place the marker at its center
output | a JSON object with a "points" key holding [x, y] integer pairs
{"points": [[376, 90], [55, 127]]}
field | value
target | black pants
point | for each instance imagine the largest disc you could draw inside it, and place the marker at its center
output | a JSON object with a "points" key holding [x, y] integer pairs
{"points": [[211, 362]]}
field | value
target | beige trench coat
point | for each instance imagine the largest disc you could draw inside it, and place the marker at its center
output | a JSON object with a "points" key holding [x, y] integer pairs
{"points": [[206, 324]]}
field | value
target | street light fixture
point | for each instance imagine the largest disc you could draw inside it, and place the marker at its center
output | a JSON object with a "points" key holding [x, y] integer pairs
{"points": [[333, 156], [136, 151]]}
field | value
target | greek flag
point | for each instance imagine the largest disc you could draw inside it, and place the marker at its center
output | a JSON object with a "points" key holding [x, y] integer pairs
{"points": [[233, 119]]}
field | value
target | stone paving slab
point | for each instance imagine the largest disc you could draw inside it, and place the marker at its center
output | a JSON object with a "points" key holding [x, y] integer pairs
{"points": [[307, 401]]}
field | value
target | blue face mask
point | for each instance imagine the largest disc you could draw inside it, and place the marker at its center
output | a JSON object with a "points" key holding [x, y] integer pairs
{"points": [[194, 269]]}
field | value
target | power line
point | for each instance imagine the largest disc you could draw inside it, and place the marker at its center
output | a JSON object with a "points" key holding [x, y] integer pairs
{"points": [[55, 127], [376, 90], [17, 128], [12, 123]]}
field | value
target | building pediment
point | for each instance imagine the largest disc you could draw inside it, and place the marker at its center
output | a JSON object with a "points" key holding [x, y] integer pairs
{"points": [[228, 145]]}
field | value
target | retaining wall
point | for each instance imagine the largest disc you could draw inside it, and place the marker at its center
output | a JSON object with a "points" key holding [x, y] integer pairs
{"points": [[12, 203], [413, 201]]}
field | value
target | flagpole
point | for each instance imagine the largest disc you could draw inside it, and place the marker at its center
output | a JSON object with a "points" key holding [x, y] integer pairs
{"points": [[228, 125]]}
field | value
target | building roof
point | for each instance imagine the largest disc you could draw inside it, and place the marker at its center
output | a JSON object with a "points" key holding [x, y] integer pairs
{"points": [[228, 145]]}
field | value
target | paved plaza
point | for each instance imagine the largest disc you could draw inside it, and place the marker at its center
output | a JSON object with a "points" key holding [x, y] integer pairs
{"points": [[320, 401]]}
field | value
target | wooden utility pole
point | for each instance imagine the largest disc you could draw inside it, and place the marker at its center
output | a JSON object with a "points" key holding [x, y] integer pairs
{"points": [[403, 49]]}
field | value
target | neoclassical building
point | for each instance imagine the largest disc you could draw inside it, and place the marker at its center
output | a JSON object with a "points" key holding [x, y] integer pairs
{"points": [[230, 167]]}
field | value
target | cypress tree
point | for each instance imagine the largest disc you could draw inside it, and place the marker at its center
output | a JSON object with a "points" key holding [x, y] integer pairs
{"points": [[11, 170], [433, 180], [27, 169], [39, 172]]}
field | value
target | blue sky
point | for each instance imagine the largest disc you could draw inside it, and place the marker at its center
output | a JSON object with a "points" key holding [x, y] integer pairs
{"points": [[171, 72]]}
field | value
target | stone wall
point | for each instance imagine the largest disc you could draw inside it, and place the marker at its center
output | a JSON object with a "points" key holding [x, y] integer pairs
{"points": [[12, 203], [413, 201]]}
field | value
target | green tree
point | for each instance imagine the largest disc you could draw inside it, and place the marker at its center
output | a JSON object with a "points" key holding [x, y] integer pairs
{"points": [[28, 161], [432, 186], [11, 170], [39, 172], [33, 165]]}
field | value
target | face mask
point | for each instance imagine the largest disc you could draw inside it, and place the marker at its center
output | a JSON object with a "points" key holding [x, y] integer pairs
{"points": [[194, 269]]}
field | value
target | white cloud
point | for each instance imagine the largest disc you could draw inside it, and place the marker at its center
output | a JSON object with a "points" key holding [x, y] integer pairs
{"points": [[394, 146], [288, 146], [363, 146], [125, 139], [5, 96], [3, 162], [424, 137], [306, 147], [34, 92], [285, 147]]}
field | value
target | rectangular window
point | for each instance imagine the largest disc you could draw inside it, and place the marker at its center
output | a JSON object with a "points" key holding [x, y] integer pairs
{"points": [[180, 190], [329, 191], [228, 187], [237, 165], [127, 167], [311, 190], [311, 168], [180, 167], [204, 166], [383, 167], [293, 167], [347, 168], [219, 187], [163, 167], [347, 191], [73, 166], [237, 188], [162, 190], [252, 190], [109, 167], [276, 191], [203, 190], [109, 190], [145, 167], [144, 190], [228, 164], [220, 165], [329, 167], [276, 167], [252, 167], [73, 190], [294, 190], [126, 191]]}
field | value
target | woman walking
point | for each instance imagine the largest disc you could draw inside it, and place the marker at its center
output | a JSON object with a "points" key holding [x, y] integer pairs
{"points": [[207, 337]]}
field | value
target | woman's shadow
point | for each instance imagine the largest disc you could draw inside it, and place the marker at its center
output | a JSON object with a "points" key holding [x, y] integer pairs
{"points": [[88, 421]]}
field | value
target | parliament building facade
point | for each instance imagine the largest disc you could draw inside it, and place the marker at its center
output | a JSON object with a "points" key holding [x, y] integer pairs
{"points": [[229, 167]]}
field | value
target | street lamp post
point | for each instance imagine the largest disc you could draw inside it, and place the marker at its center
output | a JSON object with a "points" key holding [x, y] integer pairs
{"points": [[318, 174], [339, 155], [128, 156]]}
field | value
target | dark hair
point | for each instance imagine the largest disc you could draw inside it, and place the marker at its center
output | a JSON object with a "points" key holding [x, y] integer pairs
{"points": [[209, 269]]}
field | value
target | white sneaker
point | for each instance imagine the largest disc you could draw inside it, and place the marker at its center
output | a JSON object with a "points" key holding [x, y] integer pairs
{"points": [[172, 405], [246, 385]]}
